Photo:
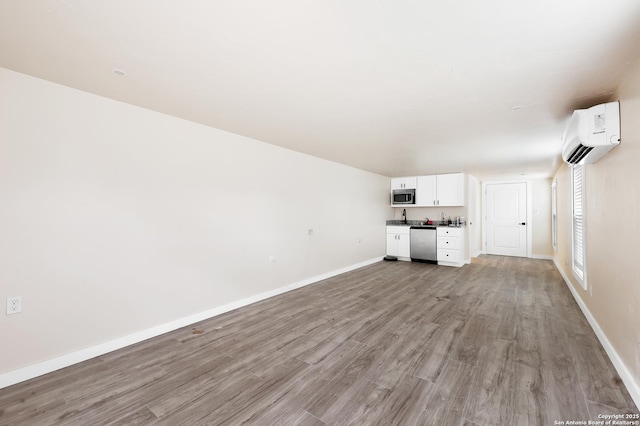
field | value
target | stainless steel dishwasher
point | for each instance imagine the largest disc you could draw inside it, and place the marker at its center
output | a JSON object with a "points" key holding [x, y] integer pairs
{"points": [[423, 244]]}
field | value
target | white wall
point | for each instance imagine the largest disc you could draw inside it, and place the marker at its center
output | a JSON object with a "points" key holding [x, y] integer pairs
{"points": [[433, 213], [474, 216], [612, 235], [541, 246], [115, 219]]}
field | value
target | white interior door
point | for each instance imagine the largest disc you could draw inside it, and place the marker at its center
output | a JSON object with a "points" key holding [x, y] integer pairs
{"points": [[506, 219]]}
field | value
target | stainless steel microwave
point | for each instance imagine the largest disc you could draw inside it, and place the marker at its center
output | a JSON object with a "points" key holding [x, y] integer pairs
{"points": [[403, 196]]}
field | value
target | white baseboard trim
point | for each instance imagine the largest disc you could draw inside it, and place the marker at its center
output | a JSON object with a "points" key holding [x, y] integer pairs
{"points": [[35, 370], [627, 378], [541, 256]]}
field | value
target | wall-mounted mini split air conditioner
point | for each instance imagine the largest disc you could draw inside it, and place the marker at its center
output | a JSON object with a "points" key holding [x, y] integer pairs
{"points": [[591, 133]]}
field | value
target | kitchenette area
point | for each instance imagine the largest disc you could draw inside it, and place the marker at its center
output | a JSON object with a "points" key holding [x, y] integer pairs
{"points": [[429, 220]]}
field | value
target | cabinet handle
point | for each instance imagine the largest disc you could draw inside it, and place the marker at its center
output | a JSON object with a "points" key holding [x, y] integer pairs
{"points": [[434, 202], [522, 223], [438, 202]]}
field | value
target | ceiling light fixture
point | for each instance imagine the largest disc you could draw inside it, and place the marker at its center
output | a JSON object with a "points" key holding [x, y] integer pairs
{"points": [[118, 71]]}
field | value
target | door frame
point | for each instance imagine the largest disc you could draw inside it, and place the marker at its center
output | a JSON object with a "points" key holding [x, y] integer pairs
{"points": [[529, 198]]}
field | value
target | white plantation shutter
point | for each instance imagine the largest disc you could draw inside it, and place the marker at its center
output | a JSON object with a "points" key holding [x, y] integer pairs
{"points": [[577, 181], [554, 215]]}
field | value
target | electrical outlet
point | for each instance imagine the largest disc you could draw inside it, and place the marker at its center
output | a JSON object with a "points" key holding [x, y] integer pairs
{"points": [[14, 305]]}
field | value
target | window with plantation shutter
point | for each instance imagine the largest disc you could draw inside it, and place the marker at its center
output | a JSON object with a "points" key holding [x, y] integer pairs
{"points": [[554, 215], [577, 187]]}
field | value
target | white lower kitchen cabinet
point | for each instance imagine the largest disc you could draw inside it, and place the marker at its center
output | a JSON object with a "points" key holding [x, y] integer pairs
{"points": [[398, 242], [450, 246]]}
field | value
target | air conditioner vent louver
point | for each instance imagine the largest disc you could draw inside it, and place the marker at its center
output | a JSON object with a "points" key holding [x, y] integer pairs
{"points": [[591, 133], [578, 154]]}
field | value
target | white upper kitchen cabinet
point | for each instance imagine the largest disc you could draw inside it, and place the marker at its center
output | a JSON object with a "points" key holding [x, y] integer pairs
{"points": [[426, 191], [440, 190], [450, 190], [403, 183]]}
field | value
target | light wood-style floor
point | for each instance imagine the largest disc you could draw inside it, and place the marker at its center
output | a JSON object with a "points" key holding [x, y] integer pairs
{"points": [[497, 342]]}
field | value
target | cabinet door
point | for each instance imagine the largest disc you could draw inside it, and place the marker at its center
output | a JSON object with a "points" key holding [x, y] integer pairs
{"points": [[403, 183], [404, 246], [426, 191], [450, 190], [392, 244]]}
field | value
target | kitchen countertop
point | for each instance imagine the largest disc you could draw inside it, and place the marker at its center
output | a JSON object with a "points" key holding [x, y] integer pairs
{"points": [[436, 223]]}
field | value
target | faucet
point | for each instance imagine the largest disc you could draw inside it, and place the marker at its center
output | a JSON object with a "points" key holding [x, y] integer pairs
{"points": [[404, 215]]}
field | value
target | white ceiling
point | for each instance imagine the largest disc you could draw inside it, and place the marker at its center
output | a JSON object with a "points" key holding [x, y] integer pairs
{"points": [[396, 87]]}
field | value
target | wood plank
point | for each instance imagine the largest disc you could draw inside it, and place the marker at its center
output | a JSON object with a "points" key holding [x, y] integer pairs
{"points": [[403, 404], [448, 395], [328, 402], [306, 419], [590, 361], [248, 406]]}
